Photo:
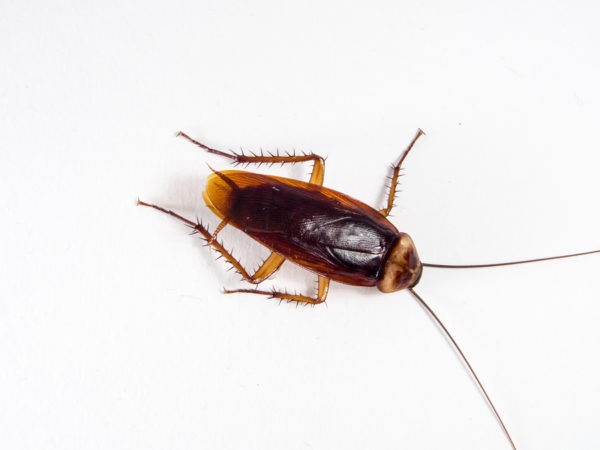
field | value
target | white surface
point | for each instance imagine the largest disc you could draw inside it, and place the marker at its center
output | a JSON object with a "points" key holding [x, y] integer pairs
{"points": [[113, 331]]}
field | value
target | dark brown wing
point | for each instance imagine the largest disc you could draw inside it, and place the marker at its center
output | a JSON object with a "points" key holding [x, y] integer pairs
{"points": [[321, 229]]}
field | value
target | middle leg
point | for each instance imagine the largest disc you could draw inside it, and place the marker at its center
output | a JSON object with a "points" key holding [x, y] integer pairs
{"points": [[323, 288]]}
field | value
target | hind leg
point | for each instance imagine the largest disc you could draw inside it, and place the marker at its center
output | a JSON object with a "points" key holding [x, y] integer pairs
{"points": [[268, 267], [316, 177]]}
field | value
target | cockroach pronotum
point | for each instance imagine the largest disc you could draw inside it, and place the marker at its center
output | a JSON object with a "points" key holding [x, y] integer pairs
{"points": [[325, 231]]}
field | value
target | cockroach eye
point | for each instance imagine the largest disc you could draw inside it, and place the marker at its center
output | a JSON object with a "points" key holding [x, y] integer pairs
{"points": [[402, 268]]}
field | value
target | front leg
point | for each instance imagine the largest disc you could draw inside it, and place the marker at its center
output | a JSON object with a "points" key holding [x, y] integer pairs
{"points": [[396, 174]]}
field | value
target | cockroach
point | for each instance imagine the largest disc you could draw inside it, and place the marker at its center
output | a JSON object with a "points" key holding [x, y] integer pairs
{"points": [[325, 231]]}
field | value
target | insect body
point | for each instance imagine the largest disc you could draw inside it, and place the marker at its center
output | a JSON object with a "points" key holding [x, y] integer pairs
{"points": [[325, 231]]}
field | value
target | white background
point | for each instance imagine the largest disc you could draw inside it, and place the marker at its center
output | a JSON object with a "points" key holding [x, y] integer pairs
{"points": [[113, 330]]}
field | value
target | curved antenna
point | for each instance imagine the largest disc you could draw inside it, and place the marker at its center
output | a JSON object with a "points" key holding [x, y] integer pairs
{"points": [[525, 261], [464, 358]]}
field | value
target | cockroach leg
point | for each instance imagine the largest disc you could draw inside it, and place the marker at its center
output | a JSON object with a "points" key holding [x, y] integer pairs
{"points": [[267, 268], [318, 171], [316, 176], [323, 288], [271, 264], [321, 293], [217, 230], [396, 174], [199, 228]]}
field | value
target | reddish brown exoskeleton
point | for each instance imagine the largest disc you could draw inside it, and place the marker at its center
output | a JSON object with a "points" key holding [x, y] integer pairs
{"points": [[325, 231]]}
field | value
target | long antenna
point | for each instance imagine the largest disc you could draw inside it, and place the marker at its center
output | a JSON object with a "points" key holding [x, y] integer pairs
{"points": [[439, 322], [477, 266]]}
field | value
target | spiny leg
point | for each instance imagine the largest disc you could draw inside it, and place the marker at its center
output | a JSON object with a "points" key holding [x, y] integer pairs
{"points": [[213, 237], [396, 174], [200, 229], [321, 293], [268, 267], [265, 270], [318, 170]]}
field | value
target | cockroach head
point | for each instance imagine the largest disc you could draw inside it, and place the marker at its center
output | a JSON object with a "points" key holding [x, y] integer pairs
{"points": [[402, 268]]}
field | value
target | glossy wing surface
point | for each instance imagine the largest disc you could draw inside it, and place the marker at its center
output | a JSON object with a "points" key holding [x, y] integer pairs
{"points": [[321, 229]]}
